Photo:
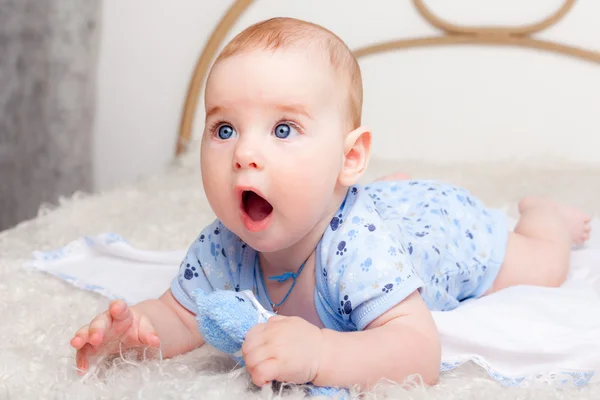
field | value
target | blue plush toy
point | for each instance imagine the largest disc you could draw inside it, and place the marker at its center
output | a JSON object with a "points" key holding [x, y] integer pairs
{"points": [[225, 316]]}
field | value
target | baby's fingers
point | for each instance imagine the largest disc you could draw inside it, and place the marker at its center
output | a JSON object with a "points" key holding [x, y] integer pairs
{"points": [[147, 333], [119, 310], [81, 337], [98, 327], [121, 317], [81, 362], [82, 358]]}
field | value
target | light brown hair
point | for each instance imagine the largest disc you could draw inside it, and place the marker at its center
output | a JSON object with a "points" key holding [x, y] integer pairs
{"points": [[283, 32]]}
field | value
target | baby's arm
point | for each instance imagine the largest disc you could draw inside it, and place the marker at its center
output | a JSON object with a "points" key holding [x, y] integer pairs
{"points": [[175, 326], [158, 322], [401, 342]]}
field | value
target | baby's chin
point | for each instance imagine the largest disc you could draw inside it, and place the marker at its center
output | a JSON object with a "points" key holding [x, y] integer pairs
{"points": [[266, 242]]}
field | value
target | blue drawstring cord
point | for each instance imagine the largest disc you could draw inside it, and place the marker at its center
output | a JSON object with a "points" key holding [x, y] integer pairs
{"points": [[282, 278]]}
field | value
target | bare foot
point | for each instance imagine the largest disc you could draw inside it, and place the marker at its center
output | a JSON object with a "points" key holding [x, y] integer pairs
{"points": [[577, 221], [398, 176]]}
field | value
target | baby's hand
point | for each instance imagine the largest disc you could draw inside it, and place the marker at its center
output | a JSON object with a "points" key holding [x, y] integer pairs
{"points": [[117, 324], [284, 349]]}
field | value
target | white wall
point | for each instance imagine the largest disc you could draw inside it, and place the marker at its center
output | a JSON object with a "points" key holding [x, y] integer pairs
{"points": [[147, 54], [477, 104]]}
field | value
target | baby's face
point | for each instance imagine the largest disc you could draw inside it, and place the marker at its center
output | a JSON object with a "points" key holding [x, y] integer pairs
{"points": [[273, 144]]}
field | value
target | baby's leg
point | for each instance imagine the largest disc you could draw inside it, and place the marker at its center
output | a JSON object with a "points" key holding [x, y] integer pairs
{"points": [[538, 251]]}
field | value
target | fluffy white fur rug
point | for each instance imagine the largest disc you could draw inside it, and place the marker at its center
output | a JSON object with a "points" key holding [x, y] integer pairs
{"points": [[165, 212]]}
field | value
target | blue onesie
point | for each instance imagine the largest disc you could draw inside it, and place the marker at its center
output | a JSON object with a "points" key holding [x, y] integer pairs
{"points": [[387, 240]]}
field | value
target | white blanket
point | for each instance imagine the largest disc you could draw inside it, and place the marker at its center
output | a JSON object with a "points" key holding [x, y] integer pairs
{"points": [[520, 336]]}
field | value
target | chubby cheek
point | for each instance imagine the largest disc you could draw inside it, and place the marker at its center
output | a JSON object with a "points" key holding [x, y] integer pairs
{"points": [[215, 171], [307, 187]]}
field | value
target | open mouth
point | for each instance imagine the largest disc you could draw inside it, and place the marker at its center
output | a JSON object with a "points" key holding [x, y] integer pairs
{"points": [[255, 206]]}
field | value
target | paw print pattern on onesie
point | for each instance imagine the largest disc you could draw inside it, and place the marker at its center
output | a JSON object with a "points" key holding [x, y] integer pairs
{"points": [[336, 222], [362, 223], [341, 248], [451, 233], [356, 258], [214, 261], [366, 265], [345, 306], [190, 271], [400, 236]]}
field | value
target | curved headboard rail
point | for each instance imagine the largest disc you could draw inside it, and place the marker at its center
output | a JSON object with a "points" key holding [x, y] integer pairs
{"points": [[452, 34], [522, 30]]}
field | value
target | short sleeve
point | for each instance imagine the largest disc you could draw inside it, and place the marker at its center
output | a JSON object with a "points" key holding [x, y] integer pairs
{"points": [[212, 262], [365, 268]]}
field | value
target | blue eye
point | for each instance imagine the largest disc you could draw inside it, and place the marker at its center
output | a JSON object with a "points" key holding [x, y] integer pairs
{"points": [[283, 131], [225, 132]]}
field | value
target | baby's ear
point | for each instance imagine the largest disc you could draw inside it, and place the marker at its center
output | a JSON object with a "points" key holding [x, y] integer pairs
{"points": [[357, 151]]}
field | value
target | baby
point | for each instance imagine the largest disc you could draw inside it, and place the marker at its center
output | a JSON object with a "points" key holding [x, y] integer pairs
{"points": [[353, 271]]}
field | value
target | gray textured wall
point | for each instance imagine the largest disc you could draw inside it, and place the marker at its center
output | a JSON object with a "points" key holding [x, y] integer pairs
{"points": [[47, 69]]}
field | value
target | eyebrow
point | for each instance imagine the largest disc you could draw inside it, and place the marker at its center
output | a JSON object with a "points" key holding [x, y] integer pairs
{"points": [[295, 109], [287, 108], [214, 110]]}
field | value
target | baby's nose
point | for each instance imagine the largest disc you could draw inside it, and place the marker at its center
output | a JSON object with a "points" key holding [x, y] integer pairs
{"points": [[244, 165], [247, 157]]}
